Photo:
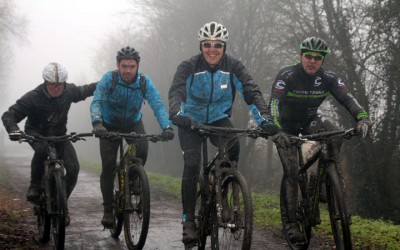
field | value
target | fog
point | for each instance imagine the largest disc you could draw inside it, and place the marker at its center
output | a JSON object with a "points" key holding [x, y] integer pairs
{"points": [[67, 32]]}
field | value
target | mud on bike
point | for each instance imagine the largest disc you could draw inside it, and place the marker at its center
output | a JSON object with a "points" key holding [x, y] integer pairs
{"points": [[224, 209], [50, 207], [307, 212], [131, 200]]}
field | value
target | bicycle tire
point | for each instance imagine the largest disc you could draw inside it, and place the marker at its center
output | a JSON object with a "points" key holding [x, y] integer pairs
{"points": [[338, 214], [57, 190], [202, 213], [301, 219], [237, 211], [118, 215], [43, 220], [137, 209]]}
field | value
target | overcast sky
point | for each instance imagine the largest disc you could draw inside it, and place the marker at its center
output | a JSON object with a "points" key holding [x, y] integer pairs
{"points": [[64, 31]]}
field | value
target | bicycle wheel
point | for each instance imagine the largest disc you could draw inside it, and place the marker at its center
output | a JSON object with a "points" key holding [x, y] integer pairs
{"points": [[137, 209], [43, 219], [338, 215], [57, 190], [118, 214], [202, 213], [301, 220], [237, 214]]}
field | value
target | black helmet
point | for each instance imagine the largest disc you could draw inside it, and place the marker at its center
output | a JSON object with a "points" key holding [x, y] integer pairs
{"points": [[128, 53], [314, 44]]}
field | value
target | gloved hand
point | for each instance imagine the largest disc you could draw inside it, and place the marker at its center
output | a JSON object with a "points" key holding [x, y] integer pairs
{"points": [[15, 135], [167, 134], [99, 130], [269, 127], [181, 121], [282, 140], [363, 126]]}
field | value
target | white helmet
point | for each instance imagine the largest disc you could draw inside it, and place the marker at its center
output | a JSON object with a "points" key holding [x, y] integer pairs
{"points": [[55, 72], [213, 31]]}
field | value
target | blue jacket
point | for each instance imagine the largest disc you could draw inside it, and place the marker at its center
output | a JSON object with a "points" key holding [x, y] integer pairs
{"points": [[206, 95], [121, 108]]}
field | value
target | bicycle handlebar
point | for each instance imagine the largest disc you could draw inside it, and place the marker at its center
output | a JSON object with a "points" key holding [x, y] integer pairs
{"points": [[346, 133], [73, 136], [132, 136], [213, 130]]}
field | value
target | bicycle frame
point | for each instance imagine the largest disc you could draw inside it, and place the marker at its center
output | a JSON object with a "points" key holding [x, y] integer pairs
{"points": [[308, 206], [225, 211]]}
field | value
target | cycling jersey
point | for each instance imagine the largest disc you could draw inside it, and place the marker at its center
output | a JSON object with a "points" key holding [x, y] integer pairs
{"points": [[296, 96], [206, 94], [120, 109]]}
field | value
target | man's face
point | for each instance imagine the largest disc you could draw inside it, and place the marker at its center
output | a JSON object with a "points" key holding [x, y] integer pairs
{"points": [[128, 69], [311, 61], [55, 89], [212, 51]]}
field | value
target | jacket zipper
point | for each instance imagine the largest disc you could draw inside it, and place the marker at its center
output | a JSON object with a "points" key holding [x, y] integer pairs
{"points": [[211, 94]]}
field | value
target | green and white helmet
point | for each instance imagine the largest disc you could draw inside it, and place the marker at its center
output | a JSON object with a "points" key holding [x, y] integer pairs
{"points": [[55, 72], [213, 31], [314, 44]]}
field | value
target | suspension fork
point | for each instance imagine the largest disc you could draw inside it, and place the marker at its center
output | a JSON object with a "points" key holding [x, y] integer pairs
{"points": [[121, 172]]}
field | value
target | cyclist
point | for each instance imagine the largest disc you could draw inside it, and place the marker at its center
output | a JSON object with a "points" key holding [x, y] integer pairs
{"points": [[297, 92], [116, 106], [46, 108], [203, 91]]}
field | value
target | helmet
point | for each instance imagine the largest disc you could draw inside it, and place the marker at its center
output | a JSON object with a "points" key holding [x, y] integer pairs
{"points": [[55, 72], [128, 53], [314, 44], [213, 31]]}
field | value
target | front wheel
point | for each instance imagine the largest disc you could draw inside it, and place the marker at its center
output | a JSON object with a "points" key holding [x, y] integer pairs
{"points": [[57, 190], [118, 214], [237, 214], [338, 214], [137, 209], [43, 219]]}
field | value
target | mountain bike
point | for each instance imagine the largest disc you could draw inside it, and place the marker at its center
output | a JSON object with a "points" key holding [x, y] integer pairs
{"points": [[51, 205], [307, 212], [131, 200], [224, 207]]}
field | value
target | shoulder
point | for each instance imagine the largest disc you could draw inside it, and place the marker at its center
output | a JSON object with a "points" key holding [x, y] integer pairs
{"points": [[288, 71], [330, 76]]}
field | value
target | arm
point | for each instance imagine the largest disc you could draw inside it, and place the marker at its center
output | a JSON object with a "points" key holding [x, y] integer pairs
{"points": [[249, 91], [84, 91], [177, 92], [342, 94], [98, 98], [278, 94], [17, 112]]}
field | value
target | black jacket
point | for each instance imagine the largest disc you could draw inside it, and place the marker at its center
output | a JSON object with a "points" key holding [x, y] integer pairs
{"points": [[296, 96], [46, 115]]}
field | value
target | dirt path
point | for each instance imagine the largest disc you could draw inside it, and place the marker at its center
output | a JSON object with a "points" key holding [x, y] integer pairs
{"points": [[85, 206]]}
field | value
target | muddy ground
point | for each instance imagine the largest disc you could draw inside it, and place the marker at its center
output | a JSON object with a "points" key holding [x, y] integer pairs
{"points": [[86, 232]]}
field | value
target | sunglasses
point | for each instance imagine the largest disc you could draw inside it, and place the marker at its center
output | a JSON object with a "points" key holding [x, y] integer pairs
{"points": [[217, 45], [54, 84], [310, 56]]}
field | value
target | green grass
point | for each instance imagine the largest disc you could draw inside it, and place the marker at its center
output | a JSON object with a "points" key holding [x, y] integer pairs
{"points": [[366, 234]]}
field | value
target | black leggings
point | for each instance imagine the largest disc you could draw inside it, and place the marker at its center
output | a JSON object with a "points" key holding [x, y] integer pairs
{"points": [[190, 142]]}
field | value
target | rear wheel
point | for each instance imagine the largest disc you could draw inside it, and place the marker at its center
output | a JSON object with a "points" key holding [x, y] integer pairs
{"points": [[57, 190], [137, 209], [301, 220], [118, 214], [338, 215], [237, 214]]}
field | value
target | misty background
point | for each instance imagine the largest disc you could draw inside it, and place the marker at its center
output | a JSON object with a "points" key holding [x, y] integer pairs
{"points": [[265, 35]]}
